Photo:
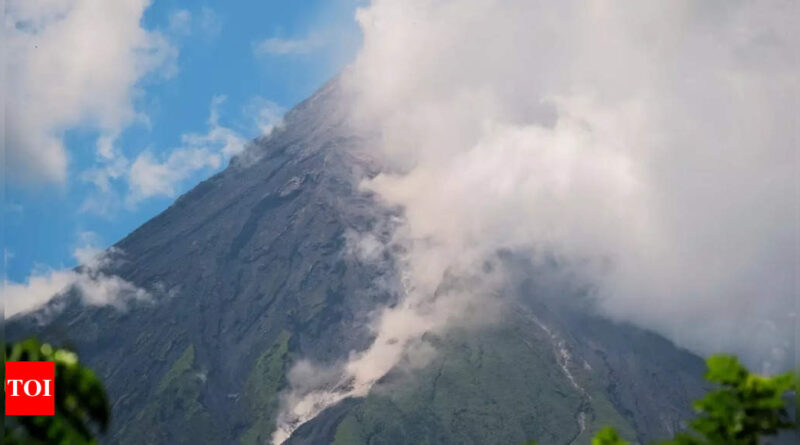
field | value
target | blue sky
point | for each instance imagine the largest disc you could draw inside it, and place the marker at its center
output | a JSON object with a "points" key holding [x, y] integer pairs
{"points": [[173, 78]]}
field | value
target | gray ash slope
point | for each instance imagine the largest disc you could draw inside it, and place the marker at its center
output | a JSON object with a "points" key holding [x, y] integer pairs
{"points": [[250, 271]]}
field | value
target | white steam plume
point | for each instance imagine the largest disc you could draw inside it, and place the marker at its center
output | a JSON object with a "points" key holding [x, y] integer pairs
{"points": [[428, 306], [656, 142]]}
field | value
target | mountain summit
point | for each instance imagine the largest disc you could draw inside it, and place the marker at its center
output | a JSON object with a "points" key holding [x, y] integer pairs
{"points": [[253, 271]]}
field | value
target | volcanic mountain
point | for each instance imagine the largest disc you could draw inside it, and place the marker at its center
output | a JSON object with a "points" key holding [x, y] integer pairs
{"points": [[251, 271]]}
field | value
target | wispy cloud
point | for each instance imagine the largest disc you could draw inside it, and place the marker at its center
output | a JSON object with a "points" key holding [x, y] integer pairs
{"points": [[206, 23], [180, 22], [150, 177], [152, 174], [277, 46], [209, 22], [266, 114]]}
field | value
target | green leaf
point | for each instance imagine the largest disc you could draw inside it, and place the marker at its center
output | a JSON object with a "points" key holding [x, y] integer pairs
{"points": [[608, 436]]}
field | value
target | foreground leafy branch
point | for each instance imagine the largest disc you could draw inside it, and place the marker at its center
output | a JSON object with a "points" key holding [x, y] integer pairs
{"points": [[81, 404], [745, 408]]}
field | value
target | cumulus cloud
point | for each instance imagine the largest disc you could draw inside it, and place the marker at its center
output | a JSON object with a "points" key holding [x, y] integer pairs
{"points": [[92, 284], [654, 144], [277, 46], [37, 290], [72, 62]]}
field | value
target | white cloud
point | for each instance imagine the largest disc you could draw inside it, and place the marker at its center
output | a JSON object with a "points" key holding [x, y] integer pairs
{"points": [[37, 290], [636, 137], [88, 250], [103, 175], [180, 22], [207, 23], [267, 115], [72, 62], [277, 46], [94, 287], [150, 177], [112, 166], [653, 143]]}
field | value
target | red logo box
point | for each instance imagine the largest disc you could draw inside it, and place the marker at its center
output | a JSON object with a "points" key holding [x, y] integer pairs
{"points": [[30, 388]]}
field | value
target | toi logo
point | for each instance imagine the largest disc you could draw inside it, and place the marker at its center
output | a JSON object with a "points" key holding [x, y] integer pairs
{"points": [[30, 389]]}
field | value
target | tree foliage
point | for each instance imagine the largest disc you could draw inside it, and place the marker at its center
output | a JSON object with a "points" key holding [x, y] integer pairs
{"points": [[608, 436], [743, 409], [81, 404]]}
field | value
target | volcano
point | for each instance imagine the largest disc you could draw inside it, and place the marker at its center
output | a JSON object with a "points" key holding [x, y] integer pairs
{"points": [[251, 271]]}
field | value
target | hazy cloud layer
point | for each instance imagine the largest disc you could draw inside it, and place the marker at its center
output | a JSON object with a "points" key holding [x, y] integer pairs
{"points": [[73, 62], [654, 143]]}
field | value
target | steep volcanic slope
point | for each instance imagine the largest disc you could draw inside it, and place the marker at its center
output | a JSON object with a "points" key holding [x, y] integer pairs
{"points": [[248, 264], [250, 271], [551, 371]]}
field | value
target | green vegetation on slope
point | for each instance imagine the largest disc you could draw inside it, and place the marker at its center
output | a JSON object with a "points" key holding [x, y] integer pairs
{"points": [[178, 396], [497, 385], [261, 390], [179, 369], [744, 409]]}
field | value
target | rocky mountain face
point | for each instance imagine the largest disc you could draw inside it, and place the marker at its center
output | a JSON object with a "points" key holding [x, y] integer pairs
{"points": [[251, 271]]}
